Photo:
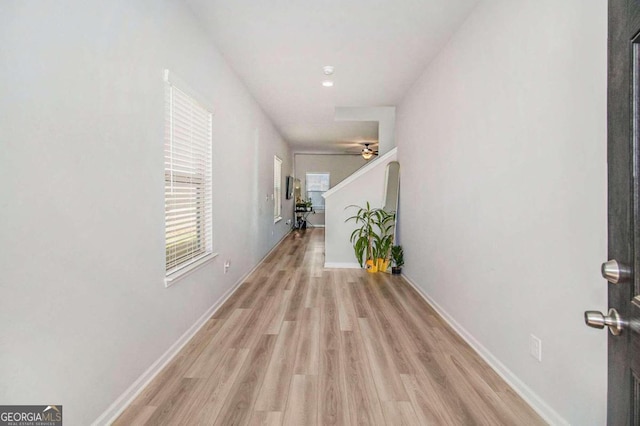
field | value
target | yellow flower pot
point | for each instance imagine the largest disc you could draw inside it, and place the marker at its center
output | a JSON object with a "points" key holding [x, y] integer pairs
{"points": [[371, 266], [383, 264]]}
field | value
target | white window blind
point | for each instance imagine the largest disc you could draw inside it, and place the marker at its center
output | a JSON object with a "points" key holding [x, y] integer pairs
{"points": [[188, 187], [317, 184], [277, 188]]}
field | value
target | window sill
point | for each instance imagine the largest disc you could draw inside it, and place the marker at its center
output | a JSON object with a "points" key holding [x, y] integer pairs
{"points": [[197, 263], [277, 219]]}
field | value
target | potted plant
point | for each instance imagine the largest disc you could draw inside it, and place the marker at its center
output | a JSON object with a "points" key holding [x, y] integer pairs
{"points": [[362, 238], [303, 206], [397, 258], [383, 239]]}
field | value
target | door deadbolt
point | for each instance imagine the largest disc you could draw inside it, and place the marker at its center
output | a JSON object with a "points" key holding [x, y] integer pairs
{"points": [[615, 272], [597, 319]]}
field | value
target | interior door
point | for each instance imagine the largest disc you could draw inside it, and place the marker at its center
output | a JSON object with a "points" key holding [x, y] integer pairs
{"points": [[623, 158]]}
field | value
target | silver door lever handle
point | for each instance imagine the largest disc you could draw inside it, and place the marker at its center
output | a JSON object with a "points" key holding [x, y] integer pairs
{"points": [[597, 319]]}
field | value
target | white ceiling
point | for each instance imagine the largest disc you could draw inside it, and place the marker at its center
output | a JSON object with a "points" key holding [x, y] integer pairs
{"points": [[378, 48]]}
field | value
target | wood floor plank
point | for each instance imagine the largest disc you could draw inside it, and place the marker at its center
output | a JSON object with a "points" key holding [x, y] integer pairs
{"points": [[330, 327], [307, 359], [275, 319], [359, 298], [297, 299], [332, 396], [436, 377], [237, 298], [411, 324], [312, 299], [135, 415], [386, 332], [400, 413], [209, 398], [483, 411], [302, 408], [274, 392], [174, 407], [432, 407], [266, 418], [299, 344], [489, 399], [346, 310], [409, 297], [292, 278], [278, 282], [262, 288], [238, 407], [362, 396], [254, 325], [213, 352], [519, 408], [332, 386], [166, 383], [385, 375]]}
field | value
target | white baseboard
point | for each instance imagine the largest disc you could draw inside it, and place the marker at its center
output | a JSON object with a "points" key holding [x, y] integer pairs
{"points": [[119, 405], [537, 403], [343, 265]]}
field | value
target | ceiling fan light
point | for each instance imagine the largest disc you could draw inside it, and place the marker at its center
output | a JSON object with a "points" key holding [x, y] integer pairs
{"points": [[367, 153]]}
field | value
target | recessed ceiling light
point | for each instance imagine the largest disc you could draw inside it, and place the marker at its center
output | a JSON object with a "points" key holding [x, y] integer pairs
{"points": [[327, 69], [327, 83]]}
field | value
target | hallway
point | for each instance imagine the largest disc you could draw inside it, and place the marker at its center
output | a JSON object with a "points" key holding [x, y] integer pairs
{"points": [[297, 344]]}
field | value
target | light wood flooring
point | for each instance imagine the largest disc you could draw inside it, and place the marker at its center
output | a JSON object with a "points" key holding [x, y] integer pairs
{"points": [[299, 345]]}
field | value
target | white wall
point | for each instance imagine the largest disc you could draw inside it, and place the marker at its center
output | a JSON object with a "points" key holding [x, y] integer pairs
{"points": [[502, 143], [339, 166], [83, 308], [366, 185]]}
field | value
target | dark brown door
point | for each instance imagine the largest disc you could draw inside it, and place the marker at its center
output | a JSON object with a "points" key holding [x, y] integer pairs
{"points": [[623, 157]]}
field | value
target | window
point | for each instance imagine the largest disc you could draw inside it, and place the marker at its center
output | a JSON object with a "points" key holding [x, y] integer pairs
{"points": [[277, 189], [188, 187], [317, 184]]}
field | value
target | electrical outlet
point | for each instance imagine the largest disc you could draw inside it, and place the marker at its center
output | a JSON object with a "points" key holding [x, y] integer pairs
{"points": [[227, 265], [535, 347]]}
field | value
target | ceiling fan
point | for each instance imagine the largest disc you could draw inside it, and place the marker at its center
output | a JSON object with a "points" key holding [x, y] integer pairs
{"points": [[367, 152], [366, 149]]}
